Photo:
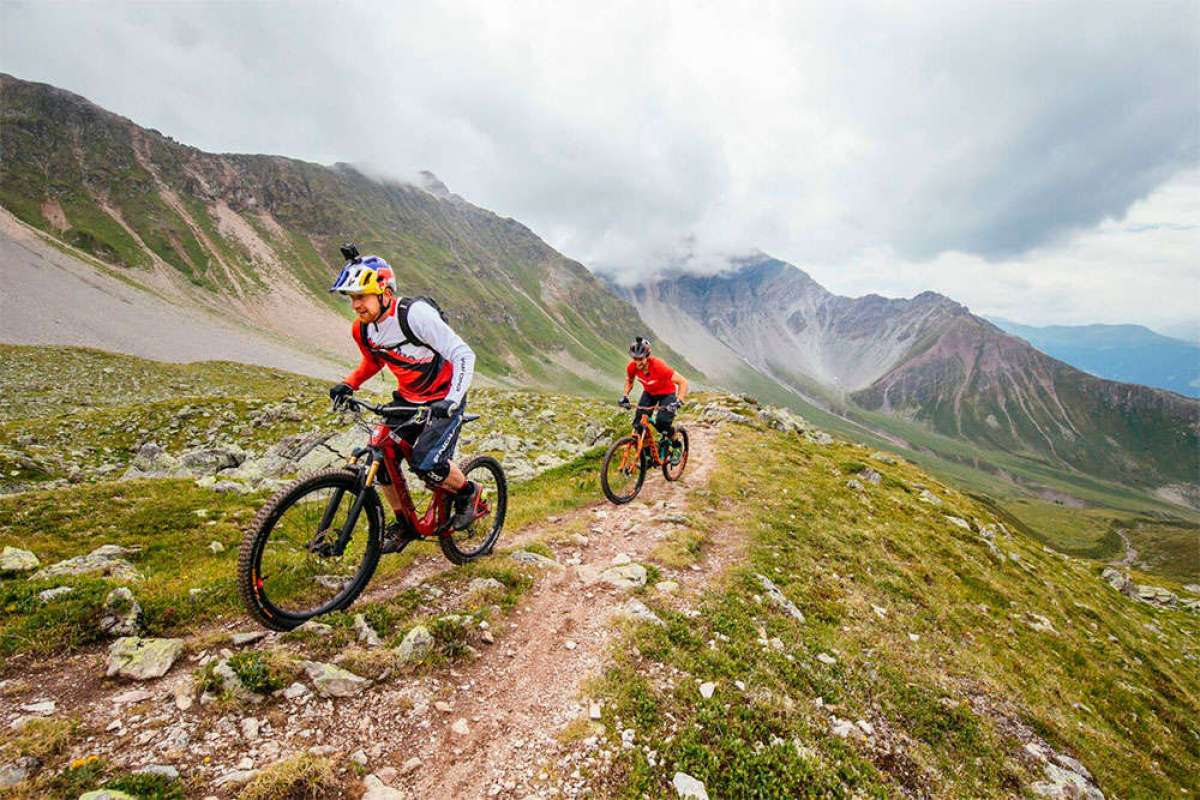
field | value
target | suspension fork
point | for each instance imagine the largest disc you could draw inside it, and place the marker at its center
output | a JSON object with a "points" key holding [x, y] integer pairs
{"points": [[366, 482]]}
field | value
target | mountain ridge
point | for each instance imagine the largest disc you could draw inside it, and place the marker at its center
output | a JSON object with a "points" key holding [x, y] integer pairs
{"points": [[927, 360]]}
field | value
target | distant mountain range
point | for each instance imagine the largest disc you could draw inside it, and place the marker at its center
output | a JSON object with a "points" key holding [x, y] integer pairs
{"points": [[926, 360], [255, 237], [1129, 353]]}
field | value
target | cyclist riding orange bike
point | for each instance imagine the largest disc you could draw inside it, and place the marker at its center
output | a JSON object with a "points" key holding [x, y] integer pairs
{"points": [[663, 389], [433, 366]]}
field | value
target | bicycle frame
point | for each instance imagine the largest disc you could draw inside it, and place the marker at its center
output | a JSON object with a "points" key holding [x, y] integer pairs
{"points": [[647, 440], [390, 450]]}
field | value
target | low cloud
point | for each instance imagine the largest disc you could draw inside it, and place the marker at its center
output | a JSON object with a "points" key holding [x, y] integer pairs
{"points": [[634, 135]]}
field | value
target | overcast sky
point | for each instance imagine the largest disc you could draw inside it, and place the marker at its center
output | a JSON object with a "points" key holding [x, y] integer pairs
{"points": [[1039, 161]]}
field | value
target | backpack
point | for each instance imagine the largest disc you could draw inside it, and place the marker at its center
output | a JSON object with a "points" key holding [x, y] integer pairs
{"points": [[404, 304]]}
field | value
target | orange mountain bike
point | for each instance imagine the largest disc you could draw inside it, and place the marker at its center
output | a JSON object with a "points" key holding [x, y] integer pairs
{"points": [[627, 461]]}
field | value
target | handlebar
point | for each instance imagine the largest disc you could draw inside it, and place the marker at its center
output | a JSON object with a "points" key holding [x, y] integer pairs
{"points": [[678, 403], [383, 411]]}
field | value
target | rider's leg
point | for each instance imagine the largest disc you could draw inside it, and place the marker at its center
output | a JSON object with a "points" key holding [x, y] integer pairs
{"points": [[645, 402], [664, 420]]}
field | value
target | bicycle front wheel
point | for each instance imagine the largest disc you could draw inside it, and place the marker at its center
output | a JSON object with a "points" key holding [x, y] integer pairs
{"points": [[623, 471], [295, 565]]}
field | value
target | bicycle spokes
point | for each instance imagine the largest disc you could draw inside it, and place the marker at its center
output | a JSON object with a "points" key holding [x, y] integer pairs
{"points": [[304, 563]]}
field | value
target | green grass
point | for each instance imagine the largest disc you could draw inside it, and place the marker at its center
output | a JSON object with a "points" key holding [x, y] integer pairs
{"points": [[1126, 708]]}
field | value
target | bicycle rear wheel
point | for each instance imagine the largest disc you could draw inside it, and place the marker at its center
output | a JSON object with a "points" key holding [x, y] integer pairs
{"points": [[674, 472], [623, 470], [478, 538], [292, 567]]}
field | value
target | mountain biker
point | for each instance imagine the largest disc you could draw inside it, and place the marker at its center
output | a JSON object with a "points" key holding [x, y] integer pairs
{"points": [[662, 388], [433, 366]]}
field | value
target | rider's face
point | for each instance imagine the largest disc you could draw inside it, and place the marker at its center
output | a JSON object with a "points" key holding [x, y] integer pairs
{"points": [[640, 363], [366, 306]]}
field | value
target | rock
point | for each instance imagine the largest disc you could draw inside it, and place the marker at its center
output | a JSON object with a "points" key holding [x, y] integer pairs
{"points": [[152, 461], [378, 790], [885, 458], [826, 659], [1156, 595], [246, 637], [14, 560], [250, 728], [582, 541], [410, 766], [232, 684], [104, 560], [366, 634], [216, 547], [626, 576], [359, 757], [332, 681], [778, 599], [666, 587], [707, 689], [122, 614], [1039, 623], [595, 712], [142, 659], [106, 794], [485, 585], [295, 691], [782, 420], [44, 708], [201, 461], [415, 645], [818, 437], [870, 476], [460, 727], [570, 645], [132, 696], [854, 484], [165, 770], [487, 637], [637, 610], [1066, 778], [844, 728], [48, 595], [958, 522], [688, 787], [620, 559], [236, 777], [866, 727], [532, 559], [13, 773], [927, 496], [314, 628]]}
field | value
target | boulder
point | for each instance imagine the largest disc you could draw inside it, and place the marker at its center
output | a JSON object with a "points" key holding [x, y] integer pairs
{"points": [[637, 610], [688, 788], [416, 644], [152, 461], [532, 559], [106, 794], [779, 599], [105, 561], [485, 585], [15, 560], [122, 614], [200, 461], [366, 634], [142, 659], [49, 595], [333, 681], [18, 770], [624, 576], [378, 790]]}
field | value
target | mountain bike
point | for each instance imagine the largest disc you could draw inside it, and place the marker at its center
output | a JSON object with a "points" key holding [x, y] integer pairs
{"points": [[629, 458], [314, 546]]}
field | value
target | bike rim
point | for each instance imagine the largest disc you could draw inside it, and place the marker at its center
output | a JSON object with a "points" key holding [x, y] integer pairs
{"points": [[674, 471], [298, 572], [623, 470], [480, 534]]}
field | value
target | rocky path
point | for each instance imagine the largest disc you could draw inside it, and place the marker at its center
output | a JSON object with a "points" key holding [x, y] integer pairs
{"points": [[483, 727]]}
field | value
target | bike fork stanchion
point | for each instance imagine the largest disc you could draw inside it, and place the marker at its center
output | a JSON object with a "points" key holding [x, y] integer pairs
{"points": [[356, 509]]}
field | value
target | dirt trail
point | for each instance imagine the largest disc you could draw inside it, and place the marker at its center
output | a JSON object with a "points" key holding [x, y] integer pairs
{"points": [[514, 697], [529, 685]]}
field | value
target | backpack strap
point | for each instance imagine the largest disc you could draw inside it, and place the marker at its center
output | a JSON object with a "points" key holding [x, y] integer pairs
{"points": [[404, 304]]}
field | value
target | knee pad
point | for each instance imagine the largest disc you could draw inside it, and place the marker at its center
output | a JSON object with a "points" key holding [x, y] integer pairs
{"points": [[435, 474]]}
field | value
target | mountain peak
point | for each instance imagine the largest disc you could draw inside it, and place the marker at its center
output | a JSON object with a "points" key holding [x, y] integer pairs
{"points": [[433, 184]]}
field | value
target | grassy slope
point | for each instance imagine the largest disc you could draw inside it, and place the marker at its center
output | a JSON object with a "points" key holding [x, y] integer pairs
{"points": [[1117, 683]]}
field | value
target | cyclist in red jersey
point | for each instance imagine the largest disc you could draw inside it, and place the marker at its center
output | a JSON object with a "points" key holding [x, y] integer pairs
{"points": [[433, 366], [662, 388]]}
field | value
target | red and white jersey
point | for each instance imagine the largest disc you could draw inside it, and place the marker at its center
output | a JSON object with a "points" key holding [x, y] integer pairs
{"points": [[443, 369]]}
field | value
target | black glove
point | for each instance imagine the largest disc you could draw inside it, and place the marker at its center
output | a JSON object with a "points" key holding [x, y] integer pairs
{"points": [[624, 401], [674, 406], [443, 408], [340, 394]]}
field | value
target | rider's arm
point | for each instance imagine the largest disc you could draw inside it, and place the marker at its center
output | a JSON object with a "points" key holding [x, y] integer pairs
{"points": [[367, 368], [682, 383], [428, 324], [628, 379]]}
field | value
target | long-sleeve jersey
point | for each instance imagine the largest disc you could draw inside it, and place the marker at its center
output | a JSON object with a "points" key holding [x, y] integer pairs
{"points": [[444, 369]]}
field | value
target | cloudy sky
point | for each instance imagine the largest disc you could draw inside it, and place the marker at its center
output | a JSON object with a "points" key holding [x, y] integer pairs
{"points": [[1039, 161]]}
